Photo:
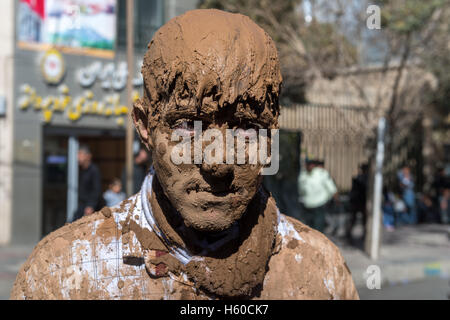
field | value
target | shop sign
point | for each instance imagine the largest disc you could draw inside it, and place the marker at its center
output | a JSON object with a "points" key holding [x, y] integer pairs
{"points": [[110, 75], [74, 108]]}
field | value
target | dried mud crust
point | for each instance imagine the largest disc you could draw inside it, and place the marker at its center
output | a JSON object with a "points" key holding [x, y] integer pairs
{"points": [[37, 278], [237, 268], [301, 264], [191, 62], [309, 265], [83, 260], [219, 68]]}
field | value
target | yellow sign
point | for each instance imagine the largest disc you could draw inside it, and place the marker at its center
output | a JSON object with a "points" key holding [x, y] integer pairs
{"points": [[73, 108], [52, 66]]}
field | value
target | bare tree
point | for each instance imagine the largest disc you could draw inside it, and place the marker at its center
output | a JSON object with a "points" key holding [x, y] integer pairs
{"points": [[326, 44]]}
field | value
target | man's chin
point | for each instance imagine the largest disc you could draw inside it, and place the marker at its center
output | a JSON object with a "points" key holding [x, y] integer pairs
{"points": [[213, 228], [211, 220]]}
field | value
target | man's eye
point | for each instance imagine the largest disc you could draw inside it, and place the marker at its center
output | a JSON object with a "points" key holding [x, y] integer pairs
{"points": [[185, 128], [186, 125], [247, 126], [247, 133]]}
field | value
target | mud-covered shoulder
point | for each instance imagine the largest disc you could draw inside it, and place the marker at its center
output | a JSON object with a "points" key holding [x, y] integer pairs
{"points": [[337, 277], [40, 277], [310, 263], [317, 240], [68, 262]]}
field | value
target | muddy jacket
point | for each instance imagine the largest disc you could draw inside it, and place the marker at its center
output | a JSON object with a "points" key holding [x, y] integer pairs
{"points": [[98, 257]]}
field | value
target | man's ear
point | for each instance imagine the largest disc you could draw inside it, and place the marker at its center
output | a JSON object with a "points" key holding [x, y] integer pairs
{"points": [[140, 119]]}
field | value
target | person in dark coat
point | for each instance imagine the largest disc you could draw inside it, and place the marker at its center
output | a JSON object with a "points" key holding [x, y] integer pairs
{"points": [[358, 198], [89, 184]]}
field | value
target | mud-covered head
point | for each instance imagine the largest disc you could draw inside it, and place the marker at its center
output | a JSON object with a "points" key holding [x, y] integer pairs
{"points": [[223, 70]]}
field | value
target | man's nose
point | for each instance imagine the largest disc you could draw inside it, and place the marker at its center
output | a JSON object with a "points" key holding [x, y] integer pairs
{"points": [[218, 176], [217, 170]]}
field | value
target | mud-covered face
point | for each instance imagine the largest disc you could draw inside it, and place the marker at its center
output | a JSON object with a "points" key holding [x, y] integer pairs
{"points": [[219, 68], [210, 197]]}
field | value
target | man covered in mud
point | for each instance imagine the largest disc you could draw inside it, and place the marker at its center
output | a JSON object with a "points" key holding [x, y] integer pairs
{"points": [[196, 230]]}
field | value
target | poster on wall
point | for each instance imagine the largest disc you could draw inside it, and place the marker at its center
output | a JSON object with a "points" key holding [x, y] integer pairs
{"points": [[74, 26]]}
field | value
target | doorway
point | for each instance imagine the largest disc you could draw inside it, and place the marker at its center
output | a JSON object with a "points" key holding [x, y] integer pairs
{"points": [[108, 153]]}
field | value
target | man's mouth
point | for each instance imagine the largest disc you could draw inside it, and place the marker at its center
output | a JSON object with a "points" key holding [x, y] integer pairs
{"points": [[216, 191]]}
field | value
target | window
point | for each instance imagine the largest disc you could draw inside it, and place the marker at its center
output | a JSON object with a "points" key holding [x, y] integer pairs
{"points": [[148, 17]]}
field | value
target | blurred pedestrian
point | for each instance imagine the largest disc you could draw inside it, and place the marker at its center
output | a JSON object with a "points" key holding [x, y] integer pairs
{"points": [[428, 213], [441, 194], [388, 210], [440, 180], [406, 184], [140, 167], [444, 204], [358, 198], [114, 194], [316, 188], [89, 184], [334, 206], [400, 210]]}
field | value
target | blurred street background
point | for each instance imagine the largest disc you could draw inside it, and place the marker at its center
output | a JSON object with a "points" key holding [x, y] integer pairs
{"points": [[364, 111]]}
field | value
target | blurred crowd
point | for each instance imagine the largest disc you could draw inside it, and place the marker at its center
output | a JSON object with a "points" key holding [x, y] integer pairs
{"points": [[401, 204]]}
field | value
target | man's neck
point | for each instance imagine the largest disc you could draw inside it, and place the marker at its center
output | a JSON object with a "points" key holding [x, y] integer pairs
{"points": [[234, 262]]}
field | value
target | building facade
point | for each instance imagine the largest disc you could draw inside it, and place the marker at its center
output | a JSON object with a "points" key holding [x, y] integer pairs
{"points": [[64, 85]]}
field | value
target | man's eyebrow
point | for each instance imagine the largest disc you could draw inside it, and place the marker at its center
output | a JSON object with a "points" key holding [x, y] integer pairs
{"points": [[248, 118], [220, 115], [176, 114]]}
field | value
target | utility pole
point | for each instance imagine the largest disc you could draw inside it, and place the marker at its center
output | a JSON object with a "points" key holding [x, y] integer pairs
{"points": [[72, 178], [373, 237], [130, 126]]}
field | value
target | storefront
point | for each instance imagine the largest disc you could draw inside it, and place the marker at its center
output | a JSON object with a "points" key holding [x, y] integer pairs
{"points": [[59, 167], [70, 76]]}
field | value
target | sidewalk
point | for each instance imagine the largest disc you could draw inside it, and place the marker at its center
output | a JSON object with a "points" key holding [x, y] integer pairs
{"points": [[11, 259], [408, 254]]}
